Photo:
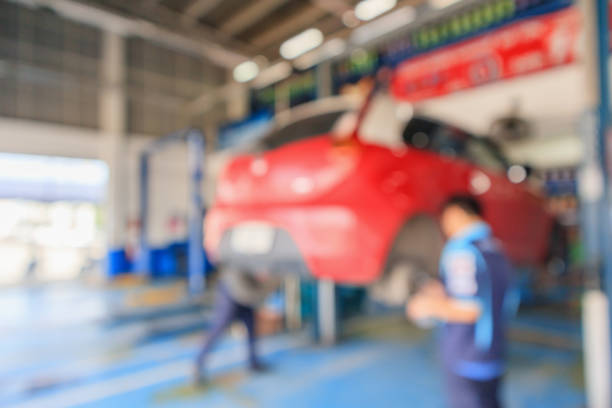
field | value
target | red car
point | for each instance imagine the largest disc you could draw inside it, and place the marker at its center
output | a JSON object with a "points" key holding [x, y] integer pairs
{"points": [[360, 212]]}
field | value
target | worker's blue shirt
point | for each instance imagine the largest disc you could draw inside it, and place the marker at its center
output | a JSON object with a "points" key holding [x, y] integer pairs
{"points": [[474, 269]]}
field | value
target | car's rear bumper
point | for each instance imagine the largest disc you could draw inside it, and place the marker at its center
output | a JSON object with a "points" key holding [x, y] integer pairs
{"points": [[323, 241], [283, 256]]}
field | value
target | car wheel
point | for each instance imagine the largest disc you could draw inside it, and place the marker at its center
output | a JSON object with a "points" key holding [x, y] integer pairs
{"points": [[412, 261]]}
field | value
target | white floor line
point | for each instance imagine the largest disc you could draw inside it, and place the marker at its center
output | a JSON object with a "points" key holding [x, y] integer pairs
{"points": [[115, 339], [130, 382]]}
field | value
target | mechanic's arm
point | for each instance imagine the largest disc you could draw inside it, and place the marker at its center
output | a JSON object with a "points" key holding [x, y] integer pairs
{"points": [[443, 308], [458, 301]]}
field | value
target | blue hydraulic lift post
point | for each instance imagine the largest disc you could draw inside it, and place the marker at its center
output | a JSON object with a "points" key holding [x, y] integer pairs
{"points": [[195, 252], [195, 258], [603, 51], [594, 196], [144, 259]]}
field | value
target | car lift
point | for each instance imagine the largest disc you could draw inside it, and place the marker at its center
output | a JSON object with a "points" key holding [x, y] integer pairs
{"points": [[594, 190], [195, 254]]}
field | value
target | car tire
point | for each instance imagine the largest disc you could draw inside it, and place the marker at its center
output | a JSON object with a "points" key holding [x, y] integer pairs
{"points": [[412, 261]]}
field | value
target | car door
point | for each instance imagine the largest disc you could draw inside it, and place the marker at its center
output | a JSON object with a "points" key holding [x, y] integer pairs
{"points": [[537, 226], [443, 174], [469, 164], [503, 201]]}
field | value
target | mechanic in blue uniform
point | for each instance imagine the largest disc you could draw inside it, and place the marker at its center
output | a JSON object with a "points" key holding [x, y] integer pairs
{"points": [[239, 293], [473, 303]]}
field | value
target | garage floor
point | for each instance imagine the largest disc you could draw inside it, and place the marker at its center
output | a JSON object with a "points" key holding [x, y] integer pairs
{"points": [[69, 346]]}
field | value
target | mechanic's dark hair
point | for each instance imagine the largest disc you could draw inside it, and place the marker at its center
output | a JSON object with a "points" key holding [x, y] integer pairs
{"points": [[466, 202]]}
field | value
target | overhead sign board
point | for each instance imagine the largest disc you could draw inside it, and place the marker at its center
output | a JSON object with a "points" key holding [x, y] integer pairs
{"points": [[474, 20], [521, 48]]}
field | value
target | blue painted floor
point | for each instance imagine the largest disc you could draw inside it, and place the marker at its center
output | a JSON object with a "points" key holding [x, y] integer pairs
{"points": [[91, 361]]}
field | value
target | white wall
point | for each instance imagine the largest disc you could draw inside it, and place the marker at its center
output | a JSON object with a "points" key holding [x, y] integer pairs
{"points": [[553, 94], [547, 152], [28, 137]]}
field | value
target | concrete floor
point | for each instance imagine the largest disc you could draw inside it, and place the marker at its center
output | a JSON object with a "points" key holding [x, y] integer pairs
{"points": [[68, 346]]}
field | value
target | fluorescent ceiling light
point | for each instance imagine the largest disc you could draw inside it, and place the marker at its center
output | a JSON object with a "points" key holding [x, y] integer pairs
{"points": [[301, 43], [274, 73], [384, 25], [440, 4], [349, 19], [368, 9], [328, 50], [246, 71]]}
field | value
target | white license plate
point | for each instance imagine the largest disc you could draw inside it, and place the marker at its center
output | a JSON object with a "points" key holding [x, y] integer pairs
{"points": [[252, 238]]}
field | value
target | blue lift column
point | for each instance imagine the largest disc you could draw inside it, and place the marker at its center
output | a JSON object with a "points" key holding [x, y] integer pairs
{"points": [[144, 264], [195, 252], [195, 258], [593, 186]]}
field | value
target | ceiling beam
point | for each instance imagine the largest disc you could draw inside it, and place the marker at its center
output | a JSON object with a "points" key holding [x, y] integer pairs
{"points": [[149, 3], [191, 43], [335, 7], [288, 27], [211, 97], [250, 15], [167, 17], [196, 9]]}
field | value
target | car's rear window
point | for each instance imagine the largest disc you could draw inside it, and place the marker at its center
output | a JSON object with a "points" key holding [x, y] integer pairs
{"points": [[300, 129]]}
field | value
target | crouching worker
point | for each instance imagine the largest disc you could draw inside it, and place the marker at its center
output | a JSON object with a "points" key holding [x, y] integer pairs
{"points": [[238, 295], [473, 303]]}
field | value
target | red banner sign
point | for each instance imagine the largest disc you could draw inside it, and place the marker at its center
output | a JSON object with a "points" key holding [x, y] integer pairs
{"points": [[521, 48]]}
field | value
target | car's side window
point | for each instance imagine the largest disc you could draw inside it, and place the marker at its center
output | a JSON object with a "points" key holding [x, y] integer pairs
{"points": [[425, 134], [448, 142], [483, 154]]}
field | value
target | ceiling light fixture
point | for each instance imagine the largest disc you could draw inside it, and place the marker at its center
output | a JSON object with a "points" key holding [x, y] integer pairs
{"points": [[246, 71], [440, 4], [329, 50], [349, 19], [384, 25], [369, 9], [301, 43]]}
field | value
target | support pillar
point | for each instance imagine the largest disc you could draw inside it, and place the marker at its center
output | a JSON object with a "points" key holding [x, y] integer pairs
{"points": [[237, 97], [281, 98], [594, 190], [293, 300], [324, 80], [326, 310], [112, 105], [195, 257]]}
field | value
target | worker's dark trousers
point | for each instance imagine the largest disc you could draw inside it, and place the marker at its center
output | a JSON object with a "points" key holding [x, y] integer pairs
{"points": [[226, 311], [465, 393]]}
